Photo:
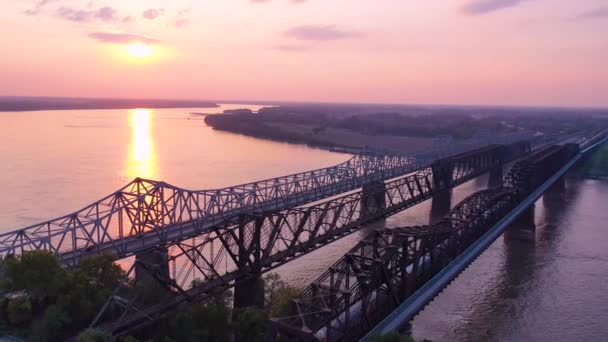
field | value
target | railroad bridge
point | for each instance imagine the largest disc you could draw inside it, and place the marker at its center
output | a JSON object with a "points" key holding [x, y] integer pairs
{"points": [[196, 244], [388, 277]]}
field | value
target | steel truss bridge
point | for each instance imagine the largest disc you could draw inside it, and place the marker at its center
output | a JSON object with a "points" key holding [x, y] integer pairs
{"points": [[249, 245], [395, 268], [200, 243], [146, 213]]}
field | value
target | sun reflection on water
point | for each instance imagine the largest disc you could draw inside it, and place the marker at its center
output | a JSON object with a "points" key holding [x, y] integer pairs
{"points": [[142, 158]]}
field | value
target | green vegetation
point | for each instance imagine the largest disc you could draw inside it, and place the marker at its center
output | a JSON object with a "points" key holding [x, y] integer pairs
{"points": [[48, 303], [277, 294], [360, 126], [221, 321], [45, 302]]}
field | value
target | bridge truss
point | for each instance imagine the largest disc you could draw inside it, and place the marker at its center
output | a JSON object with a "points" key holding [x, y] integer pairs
{"points": [[391, 264], [147, 213], [252, 244]]}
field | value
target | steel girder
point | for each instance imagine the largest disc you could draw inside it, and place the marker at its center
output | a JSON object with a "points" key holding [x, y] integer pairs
{"points": [[390, 264], [379, 272], [252, 244], [145, 213]]}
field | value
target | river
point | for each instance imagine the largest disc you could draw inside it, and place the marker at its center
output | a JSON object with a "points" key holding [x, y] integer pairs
{"points": [[551, 286]]}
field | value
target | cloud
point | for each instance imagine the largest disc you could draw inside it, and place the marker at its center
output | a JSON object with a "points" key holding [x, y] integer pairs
{"points": [[320, 33], [596, 13], [480, 7], [289, 48], [38, 7], [152, 13], [105, 13], [182, 18], [120, 38]]}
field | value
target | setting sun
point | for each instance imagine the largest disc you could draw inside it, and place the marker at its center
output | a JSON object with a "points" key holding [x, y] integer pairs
{"points": [[139, 50]]}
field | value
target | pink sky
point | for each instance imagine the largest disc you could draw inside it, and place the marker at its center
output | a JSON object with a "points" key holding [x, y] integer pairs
{"points": [[512, 52]]}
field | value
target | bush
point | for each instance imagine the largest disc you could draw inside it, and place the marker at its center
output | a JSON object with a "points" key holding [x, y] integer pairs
{"points": [[250, 324], [37, 272], [277, 294], [51, 327], [91, 335], [19, 311]]}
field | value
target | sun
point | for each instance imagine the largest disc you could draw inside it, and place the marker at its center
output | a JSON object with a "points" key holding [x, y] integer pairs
{"points": [[139, 50]]}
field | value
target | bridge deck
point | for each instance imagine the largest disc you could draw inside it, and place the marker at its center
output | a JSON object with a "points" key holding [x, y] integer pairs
{"points": [[146, 213]]}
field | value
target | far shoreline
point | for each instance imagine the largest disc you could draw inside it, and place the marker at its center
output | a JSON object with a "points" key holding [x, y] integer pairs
{"points": [[27, 104]]}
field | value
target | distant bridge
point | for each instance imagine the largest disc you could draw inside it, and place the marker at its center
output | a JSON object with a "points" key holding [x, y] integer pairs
{"points": [[395, 272]]}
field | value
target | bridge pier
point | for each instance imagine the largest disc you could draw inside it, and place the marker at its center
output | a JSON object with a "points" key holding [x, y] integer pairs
{"points": [[373, 199], [558, 188], [440, 206], [249, 291], [523, 228], [152, 272], [495, 177], [443, 171]]}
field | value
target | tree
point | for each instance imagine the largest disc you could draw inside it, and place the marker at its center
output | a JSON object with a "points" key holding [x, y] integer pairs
{"points": [[38, 273], [92, 335], [19, 311], [88, 286], [52, 326], [61, 301], [250, 324], [198, 323], [277, 293]]}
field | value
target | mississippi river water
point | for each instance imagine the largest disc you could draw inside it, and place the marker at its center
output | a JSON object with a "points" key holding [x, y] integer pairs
{"points": [[550, 287]]}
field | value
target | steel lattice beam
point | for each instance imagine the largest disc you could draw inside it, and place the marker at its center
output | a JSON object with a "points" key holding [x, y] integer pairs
{"points": [[146, 213], [253, 244], [391, 264]]}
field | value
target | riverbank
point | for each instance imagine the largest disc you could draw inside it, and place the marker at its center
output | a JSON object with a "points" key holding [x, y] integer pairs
{"points": [[24, 103], [335, 139]]}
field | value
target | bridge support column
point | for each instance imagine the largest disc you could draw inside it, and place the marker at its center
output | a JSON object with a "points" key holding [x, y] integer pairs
{"points": [[152, 263], [495, 177], [440, 206], [373, 199], [523, 228], [558, 188], [443, 173], [249, 291]]}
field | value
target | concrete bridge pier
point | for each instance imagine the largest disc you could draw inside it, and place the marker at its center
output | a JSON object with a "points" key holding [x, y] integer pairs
{"points": [[523, 228], [443, 174], [373, 199], [495, 177], [150, 262], [440, 206], [557, 189], [249, 291]]}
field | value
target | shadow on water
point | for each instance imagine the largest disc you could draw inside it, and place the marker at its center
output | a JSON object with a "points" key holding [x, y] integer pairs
{"points": [[484, 301]]}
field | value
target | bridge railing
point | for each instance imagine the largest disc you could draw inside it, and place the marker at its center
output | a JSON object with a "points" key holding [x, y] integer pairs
{"points": [[221, 257], [381, 271], [145, 205]]}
